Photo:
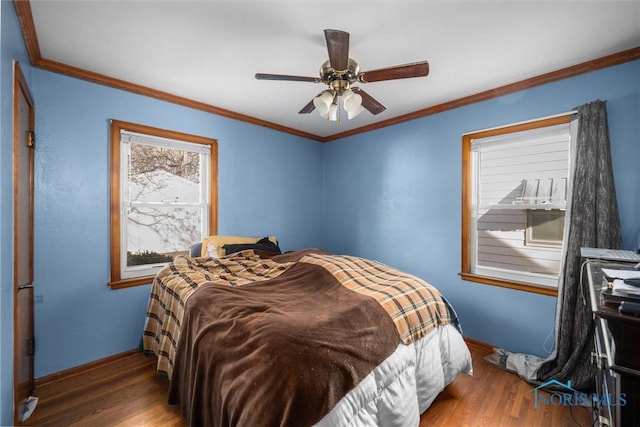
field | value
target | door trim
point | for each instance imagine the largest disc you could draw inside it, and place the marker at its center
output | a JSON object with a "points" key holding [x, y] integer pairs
{"points": [[21, 88]]}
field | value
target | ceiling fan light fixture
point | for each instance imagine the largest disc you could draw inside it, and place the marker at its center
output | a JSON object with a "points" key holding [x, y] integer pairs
{"points": [[323, 102], [339, 72], [332, 116], [354, 113], [351, 101]]}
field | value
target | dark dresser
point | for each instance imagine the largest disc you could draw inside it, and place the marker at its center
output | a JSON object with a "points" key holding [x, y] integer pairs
{"points": [[616, 354]]}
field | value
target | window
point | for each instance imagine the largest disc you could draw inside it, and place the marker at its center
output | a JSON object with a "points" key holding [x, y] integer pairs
{"points": [[545, 227], [515, 183], [163, 198]]}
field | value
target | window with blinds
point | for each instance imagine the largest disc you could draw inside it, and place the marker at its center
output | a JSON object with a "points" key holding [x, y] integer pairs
{"points": [[515, 191]]}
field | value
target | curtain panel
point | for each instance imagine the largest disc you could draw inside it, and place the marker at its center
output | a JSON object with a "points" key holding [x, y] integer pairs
{"points": [[593, 222]]}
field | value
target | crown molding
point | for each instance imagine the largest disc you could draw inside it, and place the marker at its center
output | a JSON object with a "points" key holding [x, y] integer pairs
{"points": [[101, 79], [585, 67], [23, 10]]}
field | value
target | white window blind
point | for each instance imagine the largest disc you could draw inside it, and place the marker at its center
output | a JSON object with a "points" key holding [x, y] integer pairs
{"points": [[157, 141]]}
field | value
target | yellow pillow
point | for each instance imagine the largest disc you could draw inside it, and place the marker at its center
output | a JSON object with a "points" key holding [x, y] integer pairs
{"points": [[212, 246]]}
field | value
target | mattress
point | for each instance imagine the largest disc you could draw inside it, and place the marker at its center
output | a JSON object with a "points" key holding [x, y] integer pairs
{"points": [[403, 386]]}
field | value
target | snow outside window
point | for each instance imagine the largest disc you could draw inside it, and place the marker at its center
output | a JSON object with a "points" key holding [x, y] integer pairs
{"points": [[164, 200]]}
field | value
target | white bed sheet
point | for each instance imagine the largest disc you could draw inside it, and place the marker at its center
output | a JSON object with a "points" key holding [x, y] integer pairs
{"points": [[403, 386]]}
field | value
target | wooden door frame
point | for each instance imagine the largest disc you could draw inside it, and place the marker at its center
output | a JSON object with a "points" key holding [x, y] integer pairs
{"points": [[20, 87]]}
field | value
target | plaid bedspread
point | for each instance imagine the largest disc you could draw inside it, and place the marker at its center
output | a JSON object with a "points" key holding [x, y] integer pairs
{"points": [[175, 283], [415, 307]]}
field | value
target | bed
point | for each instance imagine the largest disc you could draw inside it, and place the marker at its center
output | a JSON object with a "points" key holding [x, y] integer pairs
{"points": [[258, 338]]}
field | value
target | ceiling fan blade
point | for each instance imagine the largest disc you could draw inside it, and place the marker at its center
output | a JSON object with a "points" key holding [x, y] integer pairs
{"points": [[309, 107], [338, 47], [263, 76], [369, 102], [406, 71]]}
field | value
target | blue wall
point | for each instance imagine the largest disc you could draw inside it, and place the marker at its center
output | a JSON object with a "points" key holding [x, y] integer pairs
{"points": [[391, 194], [394, 195], [269, 183], [11, 48]]}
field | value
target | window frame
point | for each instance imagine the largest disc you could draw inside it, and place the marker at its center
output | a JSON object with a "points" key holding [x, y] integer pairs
{"points": [[467, 204], [116, 126]]}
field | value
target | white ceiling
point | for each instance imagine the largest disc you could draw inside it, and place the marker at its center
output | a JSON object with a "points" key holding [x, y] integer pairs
{"points": [[209, 51]]}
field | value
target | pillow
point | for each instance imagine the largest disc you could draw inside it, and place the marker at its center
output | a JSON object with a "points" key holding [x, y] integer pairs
{"points": [[212, 246], [263, 244], [195, 250]]}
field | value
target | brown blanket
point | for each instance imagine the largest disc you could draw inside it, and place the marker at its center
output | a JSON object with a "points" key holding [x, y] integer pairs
{"points": [[280, 352], [174, 284]]}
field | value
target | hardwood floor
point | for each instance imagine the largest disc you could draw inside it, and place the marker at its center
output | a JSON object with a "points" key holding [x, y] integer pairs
{"points": [[128, 392], [493, 397]]}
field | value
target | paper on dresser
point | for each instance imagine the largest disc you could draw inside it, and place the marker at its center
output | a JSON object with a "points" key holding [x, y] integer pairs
{"points": [[620, 274]]}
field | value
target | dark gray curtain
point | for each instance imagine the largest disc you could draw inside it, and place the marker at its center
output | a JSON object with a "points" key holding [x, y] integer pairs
{"points": [[594, 222]]}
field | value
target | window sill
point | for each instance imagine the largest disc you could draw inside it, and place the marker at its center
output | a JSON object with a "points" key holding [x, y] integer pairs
{"points": [[127, 283], [537, 289]]}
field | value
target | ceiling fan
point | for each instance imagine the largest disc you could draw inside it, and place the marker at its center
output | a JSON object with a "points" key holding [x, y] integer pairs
{"points": [[340, 72]]}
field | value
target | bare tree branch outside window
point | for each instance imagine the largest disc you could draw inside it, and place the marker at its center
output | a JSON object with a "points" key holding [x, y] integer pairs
{"points": [[163, 182]]}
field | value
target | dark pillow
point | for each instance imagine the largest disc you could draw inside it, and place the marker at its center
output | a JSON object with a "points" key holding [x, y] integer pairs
{"points": [[263, 244], [195, 250]]}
